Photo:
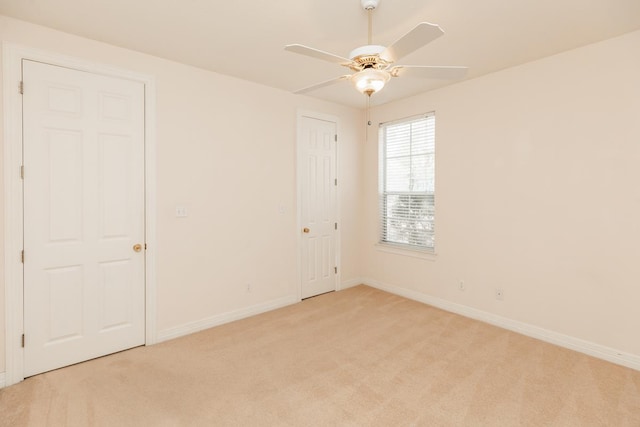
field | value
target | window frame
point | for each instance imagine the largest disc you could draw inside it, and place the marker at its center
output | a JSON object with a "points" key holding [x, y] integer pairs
{"points": [[384, 243]]}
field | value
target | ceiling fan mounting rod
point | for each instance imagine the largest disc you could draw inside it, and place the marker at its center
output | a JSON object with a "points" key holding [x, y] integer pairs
{"points": [[370, 36], [370, 6]]}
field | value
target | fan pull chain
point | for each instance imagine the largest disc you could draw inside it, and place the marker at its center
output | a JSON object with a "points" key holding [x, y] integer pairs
{"points": [[368, 120]]}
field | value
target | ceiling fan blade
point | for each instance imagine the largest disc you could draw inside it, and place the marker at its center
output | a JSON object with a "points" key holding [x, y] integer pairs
{"points": [[428, 72], [318, 54], [422, 34], [322, 84]]}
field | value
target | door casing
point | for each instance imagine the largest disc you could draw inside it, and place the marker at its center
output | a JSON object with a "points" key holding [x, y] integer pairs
{"points": [[299, 178], [13, 194]]}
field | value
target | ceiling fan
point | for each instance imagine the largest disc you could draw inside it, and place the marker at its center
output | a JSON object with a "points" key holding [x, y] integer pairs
{"points": [[373, 65]]}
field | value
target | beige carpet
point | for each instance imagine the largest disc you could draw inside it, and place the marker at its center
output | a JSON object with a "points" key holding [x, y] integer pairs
{"points": [[358, 357]]}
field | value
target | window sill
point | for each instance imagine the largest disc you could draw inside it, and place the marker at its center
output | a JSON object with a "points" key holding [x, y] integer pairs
{"points": [[414, 253]]}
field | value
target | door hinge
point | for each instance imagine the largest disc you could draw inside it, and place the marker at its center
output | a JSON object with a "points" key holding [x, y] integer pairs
{"points": [[335, 137], [22, 257], [335, 269], [335, 225], [335, 181], [22, 172], [21, 87], [22, 340]]}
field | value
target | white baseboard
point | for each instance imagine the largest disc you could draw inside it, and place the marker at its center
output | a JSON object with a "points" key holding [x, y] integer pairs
{"points": [[566, 341], [220, 319], [350, 283], [3, 382]]}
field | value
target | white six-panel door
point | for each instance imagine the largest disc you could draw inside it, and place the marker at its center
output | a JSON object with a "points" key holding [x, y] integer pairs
{"points": [[318, 206], [83, 214]]}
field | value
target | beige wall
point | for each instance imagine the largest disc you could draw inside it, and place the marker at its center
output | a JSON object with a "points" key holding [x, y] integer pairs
{"points": [[537, 193], [226, 150]]}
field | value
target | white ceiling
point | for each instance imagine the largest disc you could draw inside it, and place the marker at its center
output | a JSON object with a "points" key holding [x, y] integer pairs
{"points": [[246, 39]]}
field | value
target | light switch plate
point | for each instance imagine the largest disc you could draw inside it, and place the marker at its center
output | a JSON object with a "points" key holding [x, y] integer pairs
{"points": [[181, 211]]}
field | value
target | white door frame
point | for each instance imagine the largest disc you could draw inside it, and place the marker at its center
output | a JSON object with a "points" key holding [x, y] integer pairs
{"points": [[299, 178], [13, 195]]}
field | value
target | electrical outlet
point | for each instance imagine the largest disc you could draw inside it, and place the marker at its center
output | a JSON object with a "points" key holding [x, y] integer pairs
{"points": [[499, 294], [461, 285]]}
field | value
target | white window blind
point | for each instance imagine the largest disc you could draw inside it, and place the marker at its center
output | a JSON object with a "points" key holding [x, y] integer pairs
{"points": [[407, 182]]}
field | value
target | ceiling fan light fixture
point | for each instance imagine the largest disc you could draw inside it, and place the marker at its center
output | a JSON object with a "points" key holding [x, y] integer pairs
{"points": [[370, 80], [374, 65]]}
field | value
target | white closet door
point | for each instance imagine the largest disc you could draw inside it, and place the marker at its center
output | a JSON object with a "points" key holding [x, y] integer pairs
{"points": [[318, 188], [84, 281]]}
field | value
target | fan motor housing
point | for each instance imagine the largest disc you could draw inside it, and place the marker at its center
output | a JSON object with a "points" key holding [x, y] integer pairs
{"points": [[368, 57]]}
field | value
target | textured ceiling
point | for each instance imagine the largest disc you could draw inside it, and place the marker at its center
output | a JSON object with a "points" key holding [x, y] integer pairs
{"points": [[246, 39]]}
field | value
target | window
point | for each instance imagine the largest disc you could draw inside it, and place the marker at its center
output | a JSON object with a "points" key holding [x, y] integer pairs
{"points": [[407, 182]]}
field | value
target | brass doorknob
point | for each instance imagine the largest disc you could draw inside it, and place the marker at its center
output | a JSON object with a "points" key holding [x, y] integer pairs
{"points": [[137, 247], [306, 230]]}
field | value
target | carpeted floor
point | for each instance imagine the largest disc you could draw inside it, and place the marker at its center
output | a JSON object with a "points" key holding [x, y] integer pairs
{"points": [[358, 357]]}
